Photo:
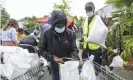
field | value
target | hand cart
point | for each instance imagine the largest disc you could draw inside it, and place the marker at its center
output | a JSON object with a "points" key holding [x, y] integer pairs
{"points": [[34, 74]]}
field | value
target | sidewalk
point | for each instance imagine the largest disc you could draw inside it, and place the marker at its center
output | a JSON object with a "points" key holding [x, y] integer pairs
{"points": [[128, 75]]}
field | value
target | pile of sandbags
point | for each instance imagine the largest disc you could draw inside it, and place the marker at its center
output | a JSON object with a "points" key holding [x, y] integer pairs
{"points": [[17, 61]]}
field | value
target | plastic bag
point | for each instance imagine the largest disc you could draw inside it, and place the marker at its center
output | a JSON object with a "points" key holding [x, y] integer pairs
{"points": [[17, 56], [18, 72], [98, 33], [7, 70], [117, 62], [35, 62], [18, 61], [69, 70], [11, 71], [43, 60], [88, 72]]}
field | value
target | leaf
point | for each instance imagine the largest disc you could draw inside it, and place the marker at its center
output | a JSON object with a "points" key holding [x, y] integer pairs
{"points": [[30, 24], [4, 17], [64, 6]]}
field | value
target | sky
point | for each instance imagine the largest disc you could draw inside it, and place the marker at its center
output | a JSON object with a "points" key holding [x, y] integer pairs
{"points": [[24, 8]]}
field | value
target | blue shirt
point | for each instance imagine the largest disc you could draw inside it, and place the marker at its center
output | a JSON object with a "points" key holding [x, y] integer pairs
{"points": [[45, 27], [9, 35]]}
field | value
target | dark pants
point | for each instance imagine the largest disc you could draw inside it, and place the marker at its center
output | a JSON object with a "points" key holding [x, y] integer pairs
{"points": [[97, 57], [97, 53], [56, 76]]}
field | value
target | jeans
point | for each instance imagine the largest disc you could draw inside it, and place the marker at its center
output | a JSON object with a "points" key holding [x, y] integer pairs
{"points": [[56, 76]]}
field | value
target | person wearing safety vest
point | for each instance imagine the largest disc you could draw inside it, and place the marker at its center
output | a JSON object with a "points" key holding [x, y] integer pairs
{"points": [[89, 48]]}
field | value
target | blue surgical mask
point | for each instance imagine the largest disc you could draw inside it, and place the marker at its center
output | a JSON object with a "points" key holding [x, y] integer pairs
{"points": [[90, 14], [59, 30]]}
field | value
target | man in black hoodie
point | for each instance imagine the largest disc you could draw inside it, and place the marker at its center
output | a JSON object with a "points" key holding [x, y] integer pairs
{"points": [[58, 42]]}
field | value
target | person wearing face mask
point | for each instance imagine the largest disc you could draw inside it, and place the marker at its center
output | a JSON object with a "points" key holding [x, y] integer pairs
{"points": [[89, 48], [57, 42]]}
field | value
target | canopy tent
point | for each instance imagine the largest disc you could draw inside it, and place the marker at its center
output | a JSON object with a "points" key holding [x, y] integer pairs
{"points": [[42, 20], [47, 20]]}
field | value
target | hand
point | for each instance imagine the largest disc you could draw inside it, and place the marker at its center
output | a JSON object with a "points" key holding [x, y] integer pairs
{"points": [[57, 60], [81, 64]]}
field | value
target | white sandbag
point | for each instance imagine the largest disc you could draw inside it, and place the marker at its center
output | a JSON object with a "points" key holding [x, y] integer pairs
{"points": [[20, 61], [17, 56], [7, 70], [88, 72], [69, 70], [35, 62], [98, 33], [43, 60], [11, 71], [117, 62], [18, 72]]}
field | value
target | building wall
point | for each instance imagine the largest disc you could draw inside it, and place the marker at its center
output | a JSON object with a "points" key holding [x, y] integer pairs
{"points": [[108, 9], [21, 24]]}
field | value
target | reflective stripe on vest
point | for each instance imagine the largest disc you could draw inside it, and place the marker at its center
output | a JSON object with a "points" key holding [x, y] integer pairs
{"points": [[87, 27]]}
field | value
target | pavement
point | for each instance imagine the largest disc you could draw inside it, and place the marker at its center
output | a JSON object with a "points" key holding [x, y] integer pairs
{"points": [[46, 76], [126, 74]]}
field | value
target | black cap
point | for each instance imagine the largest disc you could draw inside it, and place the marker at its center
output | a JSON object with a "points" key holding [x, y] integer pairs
{"points": [[90, 4]]}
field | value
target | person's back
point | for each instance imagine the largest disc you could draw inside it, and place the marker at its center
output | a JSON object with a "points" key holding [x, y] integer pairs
{"points": [[29, 40], [44, 28], [9, 37]]}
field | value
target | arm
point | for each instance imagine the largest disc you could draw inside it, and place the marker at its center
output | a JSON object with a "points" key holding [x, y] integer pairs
{"points": [[74, 49], [43, 48], [14, 36]]}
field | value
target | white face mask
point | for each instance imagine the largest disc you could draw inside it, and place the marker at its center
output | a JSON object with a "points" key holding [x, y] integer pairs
{"points": [[90, 14], [59, 30]]}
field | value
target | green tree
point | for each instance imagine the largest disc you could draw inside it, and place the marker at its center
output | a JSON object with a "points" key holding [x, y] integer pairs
{"points": [[77, 20], [64, 6], [4, 17], [30, 24], [124, 10]]}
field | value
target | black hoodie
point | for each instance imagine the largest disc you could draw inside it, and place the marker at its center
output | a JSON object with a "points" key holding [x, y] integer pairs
{"points": [[55, 44]]}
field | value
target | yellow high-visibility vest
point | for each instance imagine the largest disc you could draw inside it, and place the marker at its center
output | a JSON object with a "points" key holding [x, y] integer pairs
{"points": [[86, 30], [19, 36]]}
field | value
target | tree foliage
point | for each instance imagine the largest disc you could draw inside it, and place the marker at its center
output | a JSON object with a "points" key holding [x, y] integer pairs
{"points": [[124, 10], [64, 6], [4, 17], [128, 52], [30, 23]]}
